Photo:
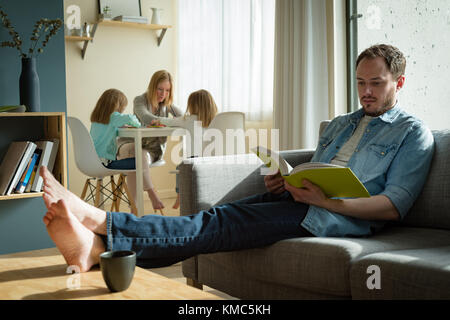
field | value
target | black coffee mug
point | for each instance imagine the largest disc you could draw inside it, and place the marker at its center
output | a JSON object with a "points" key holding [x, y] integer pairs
{"points": [[118, 269]]}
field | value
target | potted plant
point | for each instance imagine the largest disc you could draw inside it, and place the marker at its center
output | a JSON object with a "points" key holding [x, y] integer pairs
{"points": [[43, 31]]}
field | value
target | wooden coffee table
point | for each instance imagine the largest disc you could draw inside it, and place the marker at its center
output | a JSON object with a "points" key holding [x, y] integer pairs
{"points": [[42, 274]]}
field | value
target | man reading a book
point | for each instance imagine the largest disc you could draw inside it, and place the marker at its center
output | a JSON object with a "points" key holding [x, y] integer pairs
{"points": [[388, 150]]}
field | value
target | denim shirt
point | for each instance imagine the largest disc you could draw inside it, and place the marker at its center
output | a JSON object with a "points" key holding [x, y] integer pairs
{"points": [[392, 159]]}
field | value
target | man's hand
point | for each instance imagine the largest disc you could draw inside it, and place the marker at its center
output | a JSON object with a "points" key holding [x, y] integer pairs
{"points": [[274, 183], [377, 207], [309, 194]]}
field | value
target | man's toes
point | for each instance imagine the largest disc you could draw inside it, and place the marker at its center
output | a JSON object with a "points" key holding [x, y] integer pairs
{"points": [[51, 212], [46, 220], [43, 171], [62, 205], [49, 216], [47, 201]]}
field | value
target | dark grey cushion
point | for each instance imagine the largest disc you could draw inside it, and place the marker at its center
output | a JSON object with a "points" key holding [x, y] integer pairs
{"points": [[317, 265], [404, 274], [432, 207]]}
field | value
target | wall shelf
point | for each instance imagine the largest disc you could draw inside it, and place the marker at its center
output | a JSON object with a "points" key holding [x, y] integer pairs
{"points": [[121, 24], [78, 38], [54, 126]]}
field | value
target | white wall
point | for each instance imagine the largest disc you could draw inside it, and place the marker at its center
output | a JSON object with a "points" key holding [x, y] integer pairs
{"points": [[420, 29], [122, 58]]}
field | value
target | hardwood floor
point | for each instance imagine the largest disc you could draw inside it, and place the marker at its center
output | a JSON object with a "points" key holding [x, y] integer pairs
{"points": [[174, 271]]}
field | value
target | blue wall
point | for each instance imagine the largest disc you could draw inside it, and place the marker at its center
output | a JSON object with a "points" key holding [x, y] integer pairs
{"points": [[21, 226]]}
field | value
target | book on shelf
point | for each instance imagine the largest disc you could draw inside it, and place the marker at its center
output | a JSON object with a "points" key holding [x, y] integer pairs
{"points": [[48, 156], [17, 162], [51, 161], [334, 180], [18, 108], [33, 176], [10, 162], [24, 174], [137, 19], [21, 185]]}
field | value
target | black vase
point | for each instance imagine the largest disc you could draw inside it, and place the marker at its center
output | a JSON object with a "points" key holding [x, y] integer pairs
{"points": [[29, 85]]}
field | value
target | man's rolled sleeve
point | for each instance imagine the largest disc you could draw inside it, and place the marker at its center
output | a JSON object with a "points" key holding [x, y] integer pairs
{"points": [[400, 197], [409, 170]]}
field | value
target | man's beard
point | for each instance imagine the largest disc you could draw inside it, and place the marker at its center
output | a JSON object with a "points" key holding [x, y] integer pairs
{"points": [[388, 104]]}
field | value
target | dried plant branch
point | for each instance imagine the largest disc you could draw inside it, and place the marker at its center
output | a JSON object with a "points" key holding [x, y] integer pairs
{"points": [[43, 27], [16, 41]]}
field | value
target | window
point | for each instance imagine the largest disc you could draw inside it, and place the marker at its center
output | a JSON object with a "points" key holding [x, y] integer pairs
{"points": [[227, 48], [417, 28]]}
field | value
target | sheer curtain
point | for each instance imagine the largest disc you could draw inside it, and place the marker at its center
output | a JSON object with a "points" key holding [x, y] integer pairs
{"points": [[301, 72], [227, 48]]}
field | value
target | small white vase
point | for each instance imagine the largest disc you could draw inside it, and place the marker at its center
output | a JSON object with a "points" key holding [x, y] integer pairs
{"points": [[86, 30], [156, 16]]}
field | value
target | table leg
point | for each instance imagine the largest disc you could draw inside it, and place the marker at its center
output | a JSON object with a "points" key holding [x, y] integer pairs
{"points": [[139, 178]]}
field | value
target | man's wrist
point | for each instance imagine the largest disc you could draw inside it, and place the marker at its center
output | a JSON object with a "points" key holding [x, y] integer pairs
{"points": [[331, 204]]}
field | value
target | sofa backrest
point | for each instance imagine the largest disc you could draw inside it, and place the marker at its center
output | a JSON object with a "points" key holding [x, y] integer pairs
{"points": [[432, 207]]}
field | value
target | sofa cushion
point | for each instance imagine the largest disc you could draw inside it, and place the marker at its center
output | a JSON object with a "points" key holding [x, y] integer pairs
{"points": [[320, 265], [431, 208], [404, 274]]}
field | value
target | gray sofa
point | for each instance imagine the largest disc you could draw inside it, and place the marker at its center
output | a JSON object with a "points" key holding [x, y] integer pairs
{"points": [[413, 256]]}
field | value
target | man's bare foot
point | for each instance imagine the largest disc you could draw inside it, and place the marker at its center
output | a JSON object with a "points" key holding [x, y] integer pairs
{"points": [[91, 217], [78, 245], [176, 205], [156, 202]]}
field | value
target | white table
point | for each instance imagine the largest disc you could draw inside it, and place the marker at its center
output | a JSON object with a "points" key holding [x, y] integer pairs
{"points": [[137, 134]]}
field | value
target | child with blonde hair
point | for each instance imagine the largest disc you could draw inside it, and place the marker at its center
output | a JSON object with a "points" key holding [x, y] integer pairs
{"points": [[200, 107], [106, 118]]}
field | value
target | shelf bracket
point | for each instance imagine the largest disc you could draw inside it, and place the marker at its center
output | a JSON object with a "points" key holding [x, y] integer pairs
{"points": [[83, 51], [161, 36]]}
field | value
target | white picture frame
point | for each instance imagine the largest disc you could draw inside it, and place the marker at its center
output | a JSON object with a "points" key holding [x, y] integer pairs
{"points": [[121, 7]]}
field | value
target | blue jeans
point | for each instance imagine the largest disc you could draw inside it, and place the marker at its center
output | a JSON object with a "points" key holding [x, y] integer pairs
{"points": [[252, 222], [127, 163]]}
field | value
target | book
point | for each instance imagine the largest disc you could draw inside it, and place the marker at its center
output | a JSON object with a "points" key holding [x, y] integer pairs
{"points": [[21, 166], [21, 185], [334, 180], [55, 148], [19, 108], [137, 19], [22, 178], [10, 162], [33, 176], [47, 148]]}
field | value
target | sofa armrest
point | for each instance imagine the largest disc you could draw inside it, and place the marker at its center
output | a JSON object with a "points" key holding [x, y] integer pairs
{"points": [[208, 181]]}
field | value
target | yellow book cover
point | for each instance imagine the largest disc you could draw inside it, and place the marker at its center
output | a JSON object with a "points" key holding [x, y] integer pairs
{"points": [[334, 180]]}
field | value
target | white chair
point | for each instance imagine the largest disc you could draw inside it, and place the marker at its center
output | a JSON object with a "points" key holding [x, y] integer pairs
{"points": [[90, 164], [217, 129], [222, 121], [229, 120]]}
